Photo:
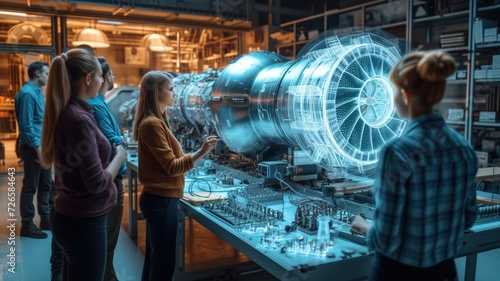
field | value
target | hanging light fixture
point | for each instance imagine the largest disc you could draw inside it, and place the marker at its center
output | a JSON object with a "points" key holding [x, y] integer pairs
{"points": [[92, 37], [156, 42]]}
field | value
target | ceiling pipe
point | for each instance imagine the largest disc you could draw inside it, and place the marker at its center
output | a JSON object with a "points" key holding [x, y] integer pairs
{"points": [[119, 9], [129, 11], [178, 63]]}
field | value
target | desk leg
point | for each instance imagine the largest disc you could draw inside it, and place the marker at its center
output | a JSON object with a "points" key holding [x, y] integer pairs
{"points": [[181, 246], [132, 204], [470, 267]]}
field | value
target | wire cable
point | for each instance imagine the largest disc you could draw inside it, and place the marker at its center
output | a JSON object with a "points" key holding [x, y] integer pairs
{"points": [[279, 177], [199, 187]]}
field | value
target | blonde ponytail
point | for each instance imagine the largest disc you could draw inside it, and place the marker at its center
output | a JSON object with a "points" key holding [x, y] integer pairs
{"points": [[57, 97]]}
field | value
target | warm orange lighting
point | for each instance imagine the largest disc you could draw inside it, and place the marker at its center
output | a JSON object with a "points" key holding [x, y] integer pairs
{"points": [[12, 14]]}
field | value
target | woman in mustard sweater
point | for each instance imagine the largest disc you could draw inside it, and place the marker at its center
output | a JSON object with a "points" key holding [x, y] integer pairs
{"points": [[162, 165]]}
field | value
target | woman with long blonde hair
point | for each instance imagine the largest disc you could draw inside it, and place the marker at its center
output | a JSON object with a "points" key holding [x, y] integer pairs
{"points": [[162, 165], [72, 142]]}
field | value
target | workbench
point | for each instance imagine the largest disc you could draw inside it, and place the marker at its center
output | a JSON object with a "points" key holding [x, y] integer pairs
{"points": [[483, 236]]}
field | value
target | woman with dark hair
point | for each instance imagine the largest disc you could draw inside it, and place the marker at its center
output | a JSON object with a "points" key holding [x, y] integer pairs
{"points": [[109, 128], [80, 153], [162, 165], [425, 184]]}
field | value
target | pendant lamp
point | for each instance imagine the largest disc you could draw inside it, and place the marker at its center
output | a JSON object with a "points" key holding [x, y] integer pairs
{"points": [[92, 37], [156, 42]]}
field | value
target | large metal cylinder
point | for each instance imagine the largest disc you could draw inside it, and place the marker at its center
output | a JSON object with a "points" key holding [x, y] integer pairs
{"points": [[335, 102], [233, 102], [191, 107]]}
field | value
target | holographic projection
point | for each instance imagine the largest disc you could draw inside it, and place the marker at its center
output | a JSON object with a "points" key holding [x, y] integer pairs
{"points": [[334, 103]]}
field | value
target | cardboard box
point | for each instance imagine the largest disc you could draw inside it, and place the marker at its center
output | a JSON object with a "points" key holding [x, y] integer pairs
{"points": [[493, 73], [490, 38], [483, 158], [495, 60], [480, 73], [461, 74], [487, 116], [490, 145], [455, 114], [492, 31], [480, 24]]}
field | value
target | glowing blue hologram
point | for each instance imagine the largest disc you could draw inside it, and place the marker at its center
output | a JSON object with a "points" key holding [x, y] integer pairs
{"points": [[352, 104], [335, 102]]}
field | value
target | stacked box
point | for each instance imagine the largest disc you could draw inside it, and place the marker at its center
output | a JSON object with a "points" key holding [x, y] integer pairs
{"points": [[483, 158], [480, 25], [480, 74], [490, 145], [493, 73], [491, 34], [453, 39], [495, 60], [487, 116]]}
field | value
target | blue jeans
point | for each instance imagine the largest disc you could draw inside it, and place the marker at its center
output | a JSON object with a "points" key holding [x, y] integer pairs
{"points": [[114, 225], [84, 245], [56, 256], [162, 220], [386, 269], [35, 178], [113, 230]]}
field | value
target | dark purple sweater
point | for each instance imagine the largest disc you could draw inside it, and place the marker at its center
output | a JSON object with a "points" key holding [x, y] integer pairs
{"points": [[82, 152]]}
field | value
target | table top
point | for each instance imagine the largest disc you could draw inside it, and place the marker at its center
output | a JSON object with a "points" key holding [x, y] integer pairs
{"points": [[488, 173], [482, 173]]}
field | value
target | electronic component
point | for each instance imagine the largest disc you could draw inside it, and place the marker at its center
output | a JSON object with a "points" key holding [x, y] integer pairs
{"points": [[252, 215], [271, 171], [304, 172], [256, 194], [488, 210], [354, 204], [268, 169], [224, 178], [306, 215]]}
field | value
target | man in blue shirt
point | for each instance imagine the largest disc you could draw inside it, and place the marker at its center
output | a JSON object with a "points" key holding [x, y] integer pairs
{"points": [[29, 106], [108, 126]]}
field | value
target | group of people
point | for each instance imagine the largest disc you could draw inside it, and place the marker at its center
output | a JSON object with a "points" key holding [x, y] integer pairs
{"points": [[71, 130], [72, 127], [424, 188]]}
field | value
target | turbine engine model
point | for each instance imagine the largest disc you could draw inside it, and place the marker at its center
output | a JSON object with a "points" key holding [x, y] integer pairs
{"points": [[335, 103]]}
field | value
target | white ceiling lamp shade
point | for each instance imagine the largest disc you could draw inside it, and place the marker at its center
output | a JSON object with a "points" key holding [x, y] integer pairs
{"points": [[25, 33], [156, 42], [92, 37]]}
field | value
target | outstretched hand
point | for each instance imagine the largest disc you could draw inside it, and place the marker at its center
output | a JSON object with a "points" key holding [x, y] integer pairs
{"points": [[208, 144]]}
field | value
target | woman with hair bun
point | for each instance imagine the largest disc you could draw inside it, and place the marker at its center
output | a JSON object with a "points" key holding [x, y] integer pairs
{"points": [[80, 153], [425, 184]]}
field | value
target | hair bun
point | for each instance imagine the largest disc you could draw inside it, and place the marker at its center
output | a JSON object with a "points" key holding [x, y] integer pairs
{"points": [[436, 66]]}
